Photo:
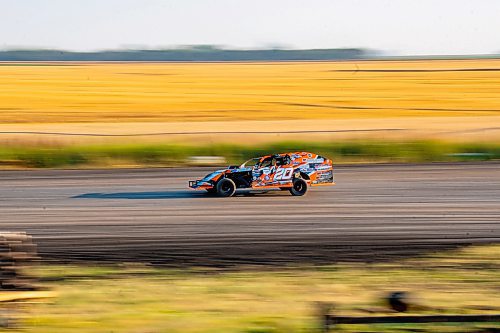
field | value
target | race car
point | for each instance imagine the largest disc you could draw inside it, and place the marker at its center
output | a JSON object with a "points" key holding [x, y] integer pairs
{"points": [[294, 172]]}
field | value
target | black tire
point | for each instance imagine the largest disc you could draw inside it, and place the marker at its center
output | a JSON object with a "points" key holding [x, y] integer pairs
{"points": [[225, 187], [299, 187]]}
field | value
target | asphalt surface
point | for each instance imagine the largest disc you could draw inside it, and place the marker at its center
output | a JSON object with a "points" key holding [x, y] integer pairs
{"points": [[373, 213]]}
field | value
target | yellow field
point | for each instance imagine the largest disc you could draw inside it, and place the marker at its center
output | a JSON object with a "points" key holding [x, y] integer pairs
{"points": [[180, 96]]}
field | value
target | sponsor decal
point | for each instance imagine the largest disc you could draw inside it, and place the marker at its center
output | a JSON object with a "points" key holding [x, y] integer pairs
{"points": [[325, 177], [315, 160], [283, 173], [306, 168], [266, 171]]}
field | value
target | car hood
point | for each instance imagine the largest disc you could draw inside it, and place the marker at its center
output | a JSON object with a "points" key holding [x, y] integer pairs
{"points": [[228, 170], [212, 175]]}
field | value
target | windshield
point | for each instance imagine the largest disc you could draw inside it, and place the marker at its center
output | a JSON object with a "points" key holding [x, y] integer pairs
{"points": [[251, 162]]}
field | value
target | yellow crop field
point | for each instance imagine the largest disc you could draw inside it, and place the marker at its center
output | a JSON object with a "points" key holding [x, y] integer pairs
{"points": [[424, 97], [171, 92]]}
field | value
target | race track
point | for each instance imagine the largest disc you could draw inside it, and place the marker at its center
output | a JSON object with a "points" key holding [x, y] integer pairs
{"points": [[374, 212]]}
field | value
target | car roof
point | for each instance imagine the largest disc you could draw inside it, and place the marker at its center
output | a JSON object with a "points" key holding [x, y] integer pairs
{"points": [[289, 153]]}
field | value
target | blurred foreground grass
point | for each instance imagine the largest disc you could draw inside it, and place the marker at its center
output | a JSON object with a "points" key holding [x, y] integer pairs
{"points": [[142, 154], [138, 298]]}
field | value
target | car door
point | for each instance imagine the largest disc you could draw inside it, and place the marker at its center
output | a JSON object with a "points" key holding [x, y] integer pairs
{"points": [[283, 173], [263, 173], [273, 171]]}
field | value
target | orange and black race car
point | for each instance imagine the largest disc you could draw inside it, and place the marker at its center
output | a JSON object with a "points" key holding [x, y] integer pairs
{"points": [[288, 171]]}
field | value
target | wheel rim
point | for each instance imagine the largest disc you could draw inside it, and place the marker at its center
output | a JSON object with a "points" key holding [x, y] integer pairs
{"points": [[226, 187], [298, 186]]}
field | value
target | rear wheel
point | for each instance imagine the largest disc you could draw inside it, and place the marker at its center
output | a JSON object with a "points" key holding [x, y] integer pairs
{"points": [[299, 187], [225, 187]]}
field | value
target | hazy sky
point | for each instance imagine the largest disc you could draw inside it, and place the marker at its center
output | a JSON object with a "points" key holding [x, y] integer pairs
{"points": [[405, 27]]}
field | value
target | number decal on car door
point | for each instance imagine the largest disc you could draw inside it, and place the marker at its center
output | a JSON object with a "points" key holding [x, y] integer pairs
{"points": [[283, 174]]}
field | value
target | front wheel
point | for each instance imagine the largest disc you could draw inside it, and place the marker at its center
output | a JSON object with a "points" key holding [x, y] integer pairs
{"points": [[299, 187], [225, 187]]}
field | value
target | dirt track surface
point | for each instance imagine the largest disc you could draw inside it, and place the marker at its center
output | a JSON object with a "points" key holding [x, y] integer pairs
{"points": [[374, 212]]}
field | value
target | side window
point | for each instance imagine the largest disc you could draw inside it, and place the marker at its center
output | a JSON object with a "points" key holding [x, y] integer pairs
{"points": [[266, 163]]}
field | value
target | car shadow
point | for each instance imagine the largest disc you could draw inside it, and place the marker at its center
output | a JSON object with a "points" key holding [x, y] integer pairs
{"points": [[143, 195], [164, 195]]}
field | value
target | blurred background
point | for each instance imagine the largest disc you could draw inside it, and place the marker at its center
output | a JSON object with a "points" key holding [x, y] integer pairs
{"points": [[107, 109]]}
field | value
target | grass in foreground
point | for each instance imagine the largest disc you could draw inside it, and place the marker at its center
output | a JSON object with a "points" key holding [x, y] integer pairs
{"points": [[132, 298], [178, 155]]}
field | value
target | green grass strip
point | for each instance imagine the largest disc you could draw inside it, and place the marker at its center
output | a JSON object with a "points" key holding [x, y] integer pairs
{"points": [[143, 154]]}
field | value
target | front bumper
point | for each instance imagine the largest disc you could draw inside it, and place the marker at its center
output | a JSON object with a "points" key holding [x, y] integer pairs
{"points": [[199, 184]]}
